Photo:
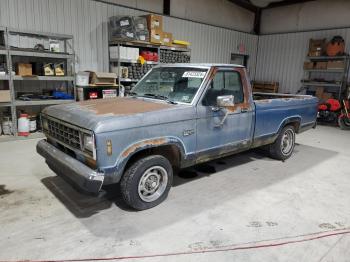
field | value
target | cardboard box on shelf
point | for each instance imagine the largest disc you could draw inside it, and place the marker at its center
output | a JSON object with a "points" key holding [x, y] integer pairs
{"points": [[155, 36], [309, 65], [154, 22], [321, 65], [5, 96], [59, 69], [335, 65], [24, 69], [49, 69], [326, 96], [167, 38], [82, 78], [102, 78], [319, 92], [317, 47]]}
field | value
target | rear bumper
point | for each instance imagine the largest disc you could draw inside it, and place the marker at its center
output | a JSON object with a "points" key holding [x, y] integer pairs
{"points": [[75, 172]]}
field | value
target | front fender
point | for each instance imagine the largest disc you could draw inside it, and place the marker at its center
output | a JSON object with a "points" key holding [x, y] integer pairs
{"points": [[138, 146]]}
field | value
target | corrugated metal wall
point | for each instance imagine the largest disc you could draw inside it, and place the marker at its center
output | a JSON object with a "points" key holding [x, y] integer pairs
{"points": [[87, 20], [281, 56]]}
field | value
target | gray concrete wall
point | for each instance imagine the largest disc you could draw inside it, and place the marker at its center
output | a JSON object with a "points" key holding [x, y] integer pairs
{"points": [[314, 15]]}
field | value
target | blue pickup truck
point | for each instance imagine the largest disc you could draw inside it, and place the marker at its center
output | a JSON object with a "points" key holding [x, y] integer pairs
{"points": [[177, 116]]}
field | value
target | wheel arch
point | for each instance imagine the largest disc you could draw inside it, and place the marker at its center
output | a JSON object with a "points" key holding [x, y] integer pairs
{"points": [[171, 148], [294, 121]]}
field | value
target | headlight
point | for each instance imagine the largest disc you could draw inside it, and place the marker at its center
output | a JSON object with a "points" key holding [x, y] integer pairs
{"points": [[89, 143], [45, 124]]}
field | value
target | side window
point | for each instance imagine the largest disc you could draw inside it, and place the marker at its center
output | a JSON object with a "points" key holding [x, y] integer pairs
{"points": [[223, 84], [218, 81], [233, 86]]}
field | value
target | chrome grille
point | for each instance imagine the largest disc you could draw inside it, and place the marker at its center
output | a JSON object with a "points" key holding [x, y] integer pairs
{"points": [[64, 133]]}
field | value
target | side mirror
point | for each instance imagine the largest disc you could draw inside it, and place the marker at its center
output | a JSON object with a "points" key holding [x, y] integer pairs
{"points": [[225, 101], [222, 102]]}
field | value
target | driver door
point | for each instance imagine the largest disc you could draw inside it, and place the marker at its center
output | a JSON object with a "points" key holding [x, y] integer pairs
{"points": [[235, 133]]}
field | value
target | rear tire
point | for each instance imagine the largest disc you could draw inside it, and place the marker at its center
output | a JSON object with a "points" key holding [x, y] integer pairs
{"points": [[283, 147], [344, 123], [147, 182]]}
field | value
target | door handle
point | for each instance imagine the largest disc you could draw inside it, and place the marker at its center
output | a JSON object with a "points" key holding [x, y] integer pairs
{"points": [[244, 110]]}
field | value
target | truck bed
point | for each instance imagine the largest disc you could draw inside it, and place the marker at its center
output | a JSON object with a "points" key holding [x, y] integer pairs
{"points": [[273, 110]]}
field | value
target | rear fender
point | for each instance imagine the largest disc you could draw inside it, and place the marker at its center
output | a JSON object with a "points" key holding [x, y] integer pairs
{"points": [[294, 120]]}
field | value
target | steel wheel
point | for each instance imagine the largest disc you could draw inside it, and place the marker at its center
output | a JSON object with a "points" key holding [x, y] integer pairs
{"points": [[153, 183], [287, 142]]}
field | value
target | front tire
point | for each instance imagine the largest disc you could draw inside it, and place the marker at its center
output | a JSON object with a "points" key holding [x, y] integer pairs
{"points": [[283, 147], [147, 182]]}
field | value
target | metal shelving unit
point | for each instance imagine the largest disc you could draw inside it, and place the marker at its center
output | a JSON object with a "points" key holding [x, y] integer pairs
{"points": [[339, 81], [138, 44], [16, 53], [43, 102]]}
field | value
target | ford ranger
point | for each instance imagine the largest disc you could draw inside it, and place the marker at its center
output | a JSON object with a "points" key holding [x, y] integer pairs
{"points": [[176, 116]]}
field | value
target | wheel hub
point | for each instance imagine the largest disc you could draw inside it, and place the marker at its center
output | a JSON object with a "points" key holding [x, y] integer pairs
{"points": [[287, 142], [153, 183]]}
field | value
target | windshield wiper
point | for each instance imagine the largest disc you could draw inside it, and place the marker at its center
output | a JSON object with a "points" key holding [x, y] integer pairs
{"points": [[132, 93], [160, 97]]}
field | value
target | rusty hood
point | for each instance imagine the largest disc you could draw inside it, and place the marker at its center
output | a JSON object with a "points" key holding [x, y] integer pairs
{"points": [[105, 114]]}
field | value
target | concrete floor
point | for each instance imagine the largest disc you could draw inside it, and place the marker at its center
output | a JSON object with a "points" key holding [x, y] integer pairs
{"points": [[247, 198]]}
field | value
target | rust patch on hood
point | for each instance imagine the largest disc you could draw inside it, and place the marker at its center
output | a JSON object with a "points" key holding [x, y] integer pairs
{"points": [[151, 143], [122, 106]]}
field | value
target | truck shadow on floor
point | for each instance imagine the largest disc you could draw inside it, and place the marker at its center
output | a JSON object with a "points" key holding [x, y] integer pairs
{"points": [[195, 190]]}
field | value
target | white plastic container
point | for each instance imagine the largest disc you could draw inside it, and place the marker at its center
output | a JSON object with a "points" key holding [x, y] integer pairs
{"points": [[6, 126], [23, 125], [32, 123]]}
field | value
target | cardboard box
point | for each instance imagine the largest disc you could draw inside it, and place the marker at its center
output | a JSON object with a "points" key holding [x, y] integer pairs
{"points": [[59, 69], [335, 65], [326, 96], [155, 36], [319, 92], [24, 69], [82, 78], [49, 69], [154, 22], [309, 65], [5, 96], [167, 39], [317, 47], [321, 65], [102, 78]]}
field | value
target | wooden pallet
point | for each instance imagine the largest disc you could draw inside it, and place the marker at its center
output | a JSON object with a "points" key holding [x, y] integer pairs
{"points": [[265, 87]]}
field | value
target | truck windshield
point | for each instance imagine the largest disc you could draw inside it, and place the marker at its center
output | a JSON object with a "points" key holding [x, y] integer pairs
{"points": [[174, 84]]}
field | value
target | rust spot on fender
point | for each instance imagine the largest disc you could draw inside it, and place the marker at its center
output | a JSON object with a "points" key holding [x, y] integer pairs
{"points": [[150, 143]]}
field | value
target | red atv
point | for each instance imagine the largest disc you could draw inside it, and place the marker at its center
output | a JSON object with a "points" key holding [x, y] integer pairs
{"points": [[332, 112]]}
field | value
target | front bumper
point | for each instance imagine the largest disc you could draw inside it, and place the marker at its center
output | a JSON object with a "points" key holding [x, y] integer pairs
{"points": [[80, 175]]}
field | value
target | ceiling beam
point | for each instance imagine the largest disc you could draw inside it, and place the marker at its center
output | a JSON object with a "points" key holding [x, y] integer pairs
{"points": [[245, 4], [166, 7], [286, 2]]}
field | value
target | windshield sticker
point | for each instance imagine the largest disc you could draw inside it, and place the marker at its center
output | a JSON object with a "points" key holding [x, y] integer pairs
{"points": [[194, 74]]}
